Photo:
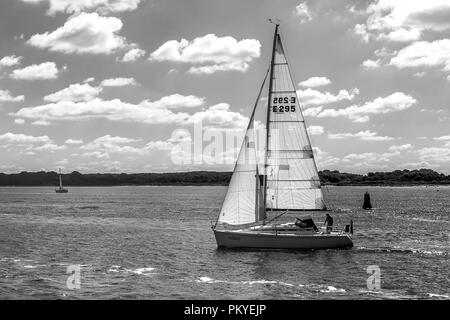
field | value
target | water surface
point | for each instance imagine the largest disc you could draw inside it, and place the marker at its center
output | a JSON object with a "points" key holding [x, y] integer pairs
{"points": [[156, 243]]}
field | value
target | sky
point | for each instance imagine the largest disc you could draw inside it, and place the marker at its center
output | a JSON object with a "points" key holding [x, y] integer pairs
{"points": [[118, 85]]}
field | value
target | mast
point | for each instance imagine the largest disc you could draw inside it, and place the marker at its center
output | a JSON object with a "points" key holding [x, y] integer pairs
{"points": [[268, 111], [60, 179]]}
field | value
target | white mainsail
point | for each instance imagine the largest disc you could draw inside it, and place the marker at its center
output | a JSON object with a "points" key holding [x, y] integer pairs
{"points": [[292, 177]]}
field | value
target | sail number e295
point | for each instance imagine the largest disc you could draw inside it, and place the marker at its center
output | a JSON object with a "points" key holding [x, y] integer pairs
{"points": [[283, 107]]}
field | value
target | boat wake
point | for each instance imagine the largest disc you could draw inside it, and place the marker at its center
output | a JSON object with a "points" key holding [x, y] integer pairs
{"points": [[146, 271], [401, 250], [309, 287]]}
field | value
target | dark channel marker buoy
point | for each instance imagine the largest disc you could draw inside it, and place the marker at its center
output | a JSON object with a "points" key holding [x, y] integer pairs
{"points": [[367, 205]]}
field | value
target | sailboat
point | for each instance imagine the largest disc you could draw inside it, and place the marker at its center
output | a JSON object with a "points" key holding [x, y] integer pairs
{"points": [[61, 189], [283, 180]]}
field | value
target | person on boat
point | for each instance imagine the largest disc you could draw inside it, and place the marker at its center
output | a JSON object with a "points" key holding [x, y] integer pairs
{"points": [[328, 223]]}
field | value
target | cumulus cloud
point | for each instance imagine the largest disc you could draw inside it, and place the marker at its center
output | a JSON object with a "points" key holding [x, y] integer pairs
{"points": [[9, 61], [434, 154], [29, 144], [83, 33], [133, 55], [402, 21], [315, 82], [384, 52], [366, 135], [311, 97], [415, 165], [175, 101], [401, 35], [369, 158], [74, 141], [361, 31], [324, 158], [119, 82], [114, 110], [96, 154], [40, 123], [303, 13], [403, 147], [5, 96], [156, 112], [210, 53], [178, 136], [20, 138], [424, 54], [101, 6], [75, 92], [49, 147], [312, 112], [159, 145], [113, 144], [371, 64], [442, 138], [395, 102], [445, 139], [43, 71], [219, 116], [315, 130]]}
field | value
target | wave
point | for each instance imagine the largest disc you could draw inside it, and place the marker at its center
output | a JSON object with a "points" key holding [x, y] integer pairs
{"points": [[383, 294], [146, 271], [333, 290], [29, 266], [391, 294], [401, 250], [248, 282], [430, 220], [439, 296], [143, 271], [309, 287]]}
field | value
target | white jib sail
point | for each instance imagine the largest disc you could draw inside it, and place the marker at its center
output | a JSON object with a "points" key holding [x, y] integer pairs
{"points": [[292, 177], [239, 204]]}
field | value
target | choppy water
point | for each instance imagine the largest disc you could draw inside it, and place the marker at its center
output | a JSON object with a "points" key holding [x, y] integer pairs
{"points": [[156, 243]]}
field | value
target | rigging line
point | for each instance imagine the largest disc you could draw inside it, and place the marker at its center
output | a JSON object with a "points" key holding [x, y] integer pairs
{"points": [[248, 127], [278, 216]]}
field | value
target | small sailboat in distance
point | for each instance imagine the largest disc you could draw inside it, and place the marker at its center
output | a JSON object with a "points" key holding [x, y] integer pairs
{"points": [[286, 181], [61, 189]]}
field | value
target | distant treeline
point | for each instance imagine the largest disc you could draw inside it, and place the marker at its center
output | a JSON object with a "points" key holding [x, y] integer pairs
{"points": [[397, 177], [115, 179], [393, 178]]}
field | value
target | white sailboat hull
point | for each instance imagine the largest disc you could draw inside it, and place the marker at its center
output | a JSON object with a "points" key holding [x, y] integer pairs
{"points": [[251, 239]]}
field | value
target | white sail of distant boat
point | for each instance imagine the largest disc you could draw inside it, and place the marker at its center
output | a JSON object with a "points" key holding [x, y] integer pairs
{"points": [[61, 189], [287, 180]]}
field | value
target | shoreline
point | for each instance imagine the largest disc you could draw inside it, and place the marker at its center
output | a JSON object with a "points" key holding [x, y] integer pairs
{"points": [[401, 178], [221, 185]]}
